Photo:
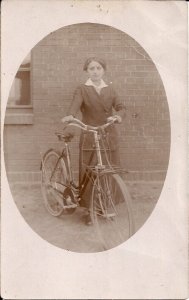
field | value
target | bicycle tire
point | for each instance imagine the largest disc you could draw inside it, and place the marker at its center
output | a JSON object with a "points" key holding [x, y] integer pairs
{"points": [[111, 210], [51, 183]]}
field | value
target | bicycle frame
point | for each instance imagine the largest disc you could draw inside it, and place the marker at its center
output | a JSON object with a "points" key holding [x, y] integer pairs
{"points": [[95, 131], [91, 172], [66, 153]]}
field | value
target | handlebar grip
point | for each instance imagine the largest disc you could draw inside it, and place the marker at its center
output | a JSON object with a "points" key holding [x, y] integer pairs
{"points": [[75, 122], [108, 124], [66, 120]]}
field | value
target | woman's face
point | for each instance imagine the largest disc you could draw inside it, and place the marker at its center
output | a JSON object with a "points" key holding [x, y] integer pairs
{"points": [[95, 71]]}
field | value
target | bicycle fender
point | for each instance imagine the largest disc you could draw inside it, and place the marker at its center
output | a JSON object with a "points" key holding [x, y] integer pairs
{"points": [[45, 154]]}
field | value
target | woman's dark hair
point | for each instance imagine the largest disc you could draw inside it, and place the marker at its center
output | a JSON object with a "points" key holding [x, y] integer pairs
{"points": [[89, 60]]}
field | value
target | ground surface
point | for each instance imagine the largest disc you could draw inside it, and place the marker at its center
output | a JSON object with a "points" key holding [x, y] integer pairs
{"points": [[69, 231]]}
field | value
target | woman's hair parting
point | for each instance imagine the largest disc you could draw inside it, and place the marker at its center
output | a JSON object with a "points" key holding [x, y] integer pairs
{"points": [[99, 60]]}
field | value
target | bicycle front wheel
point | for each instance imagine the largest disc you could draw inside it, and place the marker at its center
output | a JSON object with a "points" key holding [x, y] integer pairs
{"points": [[111, 210], [54, 176]]}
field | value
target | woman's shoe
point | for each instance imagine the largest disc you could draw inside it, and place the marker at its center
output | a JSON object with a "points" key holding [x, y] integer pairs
{"points": [[88, 220]]}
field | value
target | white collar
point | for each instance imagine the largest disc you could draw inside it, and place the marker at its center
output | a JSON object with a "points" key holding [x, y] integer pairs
{"points": [[102, 84]]}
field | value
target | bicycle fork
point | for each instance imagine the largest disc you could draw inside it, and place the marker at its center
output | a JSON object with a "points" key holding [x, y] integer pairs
{"points": [[105, 199]]}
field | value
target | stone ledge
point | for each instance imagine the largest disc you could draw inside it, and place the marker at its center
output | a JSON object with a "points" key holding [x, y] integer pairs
{"points": [[19, 119]]}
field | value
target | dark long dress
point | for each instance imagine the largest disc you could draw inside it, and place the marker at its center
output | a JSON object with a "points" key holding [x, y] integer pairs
{"points": [[96, 108]]}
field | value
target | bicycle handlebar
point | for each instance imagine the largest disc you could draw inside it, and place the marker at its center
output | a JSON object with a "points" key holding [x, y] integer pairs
{"points": [[81, 125]]}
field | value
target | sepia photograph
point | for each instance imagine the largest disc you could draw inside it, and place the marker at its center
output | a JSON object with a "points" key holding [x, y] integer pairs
{"points": [[87, 145], [110, 173]]}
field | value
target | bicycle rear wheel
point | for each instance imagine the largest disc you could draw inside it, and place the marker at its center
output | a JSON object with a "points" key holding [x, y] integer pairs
{"points": [[111, 210], [54, 179]]}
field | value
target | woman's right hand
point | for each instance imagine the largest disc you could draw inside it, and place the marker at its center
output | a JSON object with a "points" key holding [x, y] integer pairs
{"points": [[69, 131], [67, 119]]}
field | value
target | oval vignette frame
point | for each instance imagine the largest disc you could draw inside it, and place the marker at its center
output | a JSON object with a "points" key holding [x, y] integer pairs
{"points": [[145, 145]]}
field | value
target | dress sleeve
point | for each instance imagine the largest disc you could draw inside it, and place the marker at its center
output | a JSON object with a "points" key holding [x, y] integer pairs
{"points": [[76, 102], [119, 106]]}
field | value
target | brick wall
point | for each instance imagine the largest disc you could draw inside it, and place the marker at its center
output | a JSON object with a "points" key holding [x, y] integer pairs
{"points": [[57, 63]]}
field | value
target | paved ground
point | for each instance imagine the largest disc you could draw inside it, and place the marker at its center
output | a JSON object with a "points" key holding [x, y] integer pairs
{"points": [[69, 231]]}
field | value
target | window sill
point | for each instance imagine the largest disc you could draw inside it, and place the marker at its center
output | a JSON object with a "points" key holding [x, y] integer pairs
{"points": [[19, 107], [21, 116]]}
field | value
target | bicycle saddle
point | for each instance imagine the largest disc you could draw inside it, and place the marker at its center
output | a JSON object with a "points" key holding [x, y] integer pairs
{"points": [[62, 137]]}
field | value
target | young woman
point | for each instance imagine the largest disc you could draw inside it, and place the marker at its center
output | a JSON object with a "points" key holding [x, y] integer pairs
{"points": [[97, 102]]}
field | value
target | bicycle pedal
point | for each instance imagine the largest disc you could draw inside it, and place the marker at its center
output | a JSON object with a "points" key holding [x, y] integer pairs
{"points": [[70, 206], [109, 215]]}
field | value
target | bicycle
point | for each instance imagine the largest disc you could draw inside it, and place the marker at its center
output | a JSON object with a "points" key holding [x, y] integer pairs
{"points": [[110, 204]]}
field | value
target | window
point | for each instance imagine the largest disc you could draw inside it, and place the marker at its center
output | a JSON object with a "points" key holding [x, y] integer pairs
{"points": [[20, 90], [19, 106]]}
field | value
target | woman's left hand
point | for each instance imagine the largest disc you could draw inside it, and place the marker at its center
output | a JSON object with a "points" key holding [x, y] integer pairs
{"points": [[115, 118]]}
